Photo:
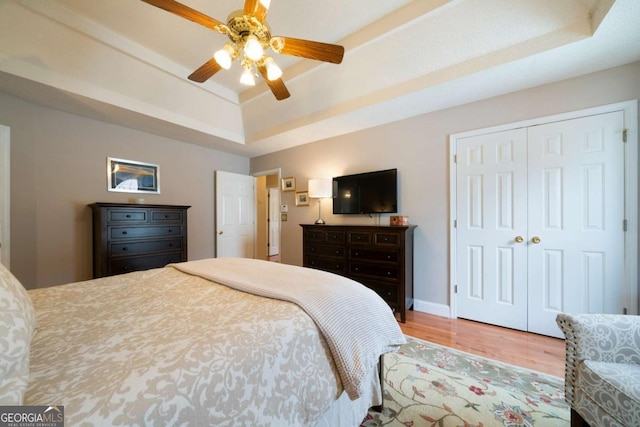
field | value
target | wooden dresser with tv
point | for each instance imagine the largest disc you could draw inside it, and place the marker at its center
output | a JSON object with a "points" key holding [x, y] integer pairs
{"points": [[133, 237], [379, 257]]}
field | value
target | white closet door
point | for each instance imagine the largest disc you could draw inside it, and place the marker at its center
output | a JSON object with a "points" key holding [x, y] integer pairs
{"points": [[491, 228], [559, 186], [576, 210]]}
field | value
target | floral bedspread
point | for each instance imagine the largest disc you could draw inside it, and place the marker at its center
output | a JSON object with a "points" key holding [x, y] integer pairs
{"points": [[161, 347]]}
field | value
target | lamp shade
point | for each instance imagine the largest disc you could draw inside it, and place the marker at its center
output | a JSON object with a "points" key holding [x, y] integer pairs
{"points": [[320, 188]]}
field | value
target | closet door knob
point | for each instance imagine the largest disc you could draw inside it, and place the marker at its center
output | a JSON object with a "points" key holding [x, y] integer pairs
{"points": [[535, 239], [519, 239]]}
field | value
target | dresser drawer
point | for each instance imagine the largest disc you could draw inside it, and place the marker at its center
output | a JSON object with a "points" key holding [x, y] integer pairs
{"points": [[126, 265], [312, 235], [373, 255], [320, 250], [375, 270], [123, 215], [138, 232], [159, 216], [387, 292], [326, 264], [124, 248], [383, 239], [335, 236], [360, 237]]}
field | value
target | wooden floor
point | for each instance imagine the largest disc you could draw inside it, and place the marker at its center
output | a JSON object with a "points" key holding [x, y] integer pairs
{"points": [[541, 353]]}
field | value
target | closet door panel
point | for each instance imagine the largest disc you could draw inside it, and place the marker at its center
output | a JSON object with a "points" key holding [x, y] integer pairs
{"points": [[576, 209]]}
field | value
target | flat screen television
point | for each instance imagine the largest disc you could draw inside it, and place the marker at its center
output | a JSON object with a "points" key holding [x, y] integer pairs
{"points": [[366, 193]]}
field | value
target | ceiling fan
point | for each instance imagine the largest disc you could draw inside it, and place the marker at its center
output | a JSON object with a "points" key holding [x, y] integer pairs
{"points": [[250, 37]]}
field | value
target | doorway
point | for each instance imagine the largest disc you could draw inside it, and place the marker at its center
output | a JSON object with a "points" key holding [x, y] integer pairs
{"points": [[541, 215], [268, 215]]}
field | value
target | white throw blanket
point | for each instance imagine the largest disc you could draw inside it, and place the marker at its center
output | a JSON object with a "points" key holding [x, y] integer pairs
{"points": [[357, 324]]}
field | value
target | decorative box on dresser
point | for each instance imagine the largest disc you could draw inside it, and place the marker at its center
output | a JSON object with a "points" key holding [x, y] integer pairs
{"points": [[379, 257], [133, 237]]}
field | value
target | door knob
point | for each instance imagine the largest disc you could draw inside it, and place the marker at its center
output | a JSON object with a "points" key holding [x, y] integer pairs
{"points": [[535, 239], [220, 232], [519, 239]]}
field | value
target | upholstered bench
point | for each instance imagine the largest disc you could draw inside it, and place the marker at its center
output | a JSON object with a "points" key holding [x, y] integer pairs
{"points": [[602, 377]]}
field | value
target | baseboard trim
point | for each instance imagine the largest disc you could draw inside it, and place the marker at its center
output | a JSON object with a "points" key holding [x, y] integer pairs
{"points": [[432, 308]]}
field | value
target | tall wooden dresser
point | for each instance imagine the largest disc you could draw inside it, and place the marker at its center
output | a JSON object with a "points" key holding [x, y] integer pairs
{"points": [[132, 237], [379, 257]]}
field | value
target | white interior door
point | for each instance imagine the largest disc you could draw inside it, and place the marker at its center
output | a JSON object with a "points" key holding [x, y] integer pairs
{"points": [[274, 221], [576, 213], [5, 161], [540, 215], [235, 215], [492, 228]]}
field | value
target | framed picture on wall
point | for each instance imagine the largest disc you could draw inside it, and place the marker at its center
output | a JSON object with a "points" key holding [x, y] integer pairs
{"points": [[302, 198], [289, 184], [129, 176]]}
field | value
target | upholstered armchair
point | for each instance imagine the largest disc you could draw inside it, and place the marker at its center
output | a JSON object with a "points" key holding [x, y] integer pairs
{"points": [[602, 377]]}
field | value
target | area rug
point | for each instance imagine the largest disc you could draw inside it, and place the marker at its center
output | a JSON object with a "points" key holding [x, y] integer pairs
{"points": [[426, 384]]}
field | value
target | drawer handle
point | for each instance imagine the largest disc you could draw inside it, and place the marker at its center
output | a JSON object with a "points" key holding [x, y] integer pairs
{"points": [[356, 254], [124, 249], [338, 252], [388, 273], [170, 245], [166, 216], [356, 269], [388, 256], [128, 216], [312, 250], [124, 232], [170, 230]]}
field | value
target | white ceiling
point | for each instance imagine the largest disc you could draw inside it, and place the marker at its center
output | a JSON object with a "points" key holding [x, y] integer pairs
{"points": [[126, 62]]}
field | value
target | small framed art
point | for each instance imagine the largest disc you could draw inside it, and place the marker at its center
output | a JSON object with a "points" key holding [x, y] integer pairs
{"points": [[289, 184], [129, 176], [302, 198]]}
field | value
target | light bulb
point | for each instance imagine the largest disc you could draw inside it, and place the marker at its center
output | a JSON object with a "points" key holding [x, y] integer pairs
{"points": [[247, 78], [224, 56], [265, 3], [273, 71], [253, 48]]}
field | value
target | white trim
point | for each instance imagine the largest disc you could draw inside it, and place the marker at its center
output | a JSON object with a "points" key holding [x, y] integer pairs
{"points": [[441, 310], [630, 111], [5, 181]]}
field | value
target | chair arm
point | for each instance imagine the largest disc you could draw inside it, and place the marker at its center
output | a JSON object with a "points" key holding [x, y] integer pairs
{"points": [[611, 338]]}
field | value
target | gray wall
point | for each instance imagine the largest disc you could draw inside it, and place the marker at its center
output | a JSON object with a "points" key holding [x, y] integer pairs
{"points": [[419, 147], [58, 167]]}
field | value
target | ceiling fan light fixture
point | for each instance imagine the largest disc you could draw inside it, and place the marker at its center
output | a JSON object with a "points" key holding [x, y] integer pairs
{"points": [[247, 77], [224, 57], [273, 71], [253, 48]]}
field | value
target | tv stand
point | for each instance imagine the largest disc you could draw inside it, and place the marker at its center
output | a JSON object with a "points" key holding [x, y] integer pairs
{"points": [[379, 257]]}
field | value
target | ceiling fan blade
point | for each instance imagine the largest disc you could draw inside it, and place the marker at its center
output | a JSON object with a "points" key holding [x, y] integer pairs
{"points": [[308, 49], [205, 71], [278, 88], [256, 8], [186, 12]]}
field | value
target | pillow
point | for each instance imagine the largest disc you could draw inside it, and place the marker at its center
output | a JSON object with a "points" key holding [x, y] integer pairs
{"points": [[17, 326]]}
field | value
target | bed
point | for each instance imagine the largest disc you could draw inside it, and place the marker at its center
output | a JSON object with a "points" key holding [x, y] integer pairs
{"points": [[211, 342]]}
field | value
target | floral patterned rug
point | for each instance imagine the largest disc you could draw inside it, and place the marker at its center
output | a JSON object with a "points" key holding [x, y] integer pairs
{"points": [[431, 385]]}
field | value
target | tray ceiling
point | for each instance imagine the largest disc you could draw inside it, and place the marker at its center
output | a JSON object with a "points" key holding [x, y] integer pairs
{"points": [[126, 62]]}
